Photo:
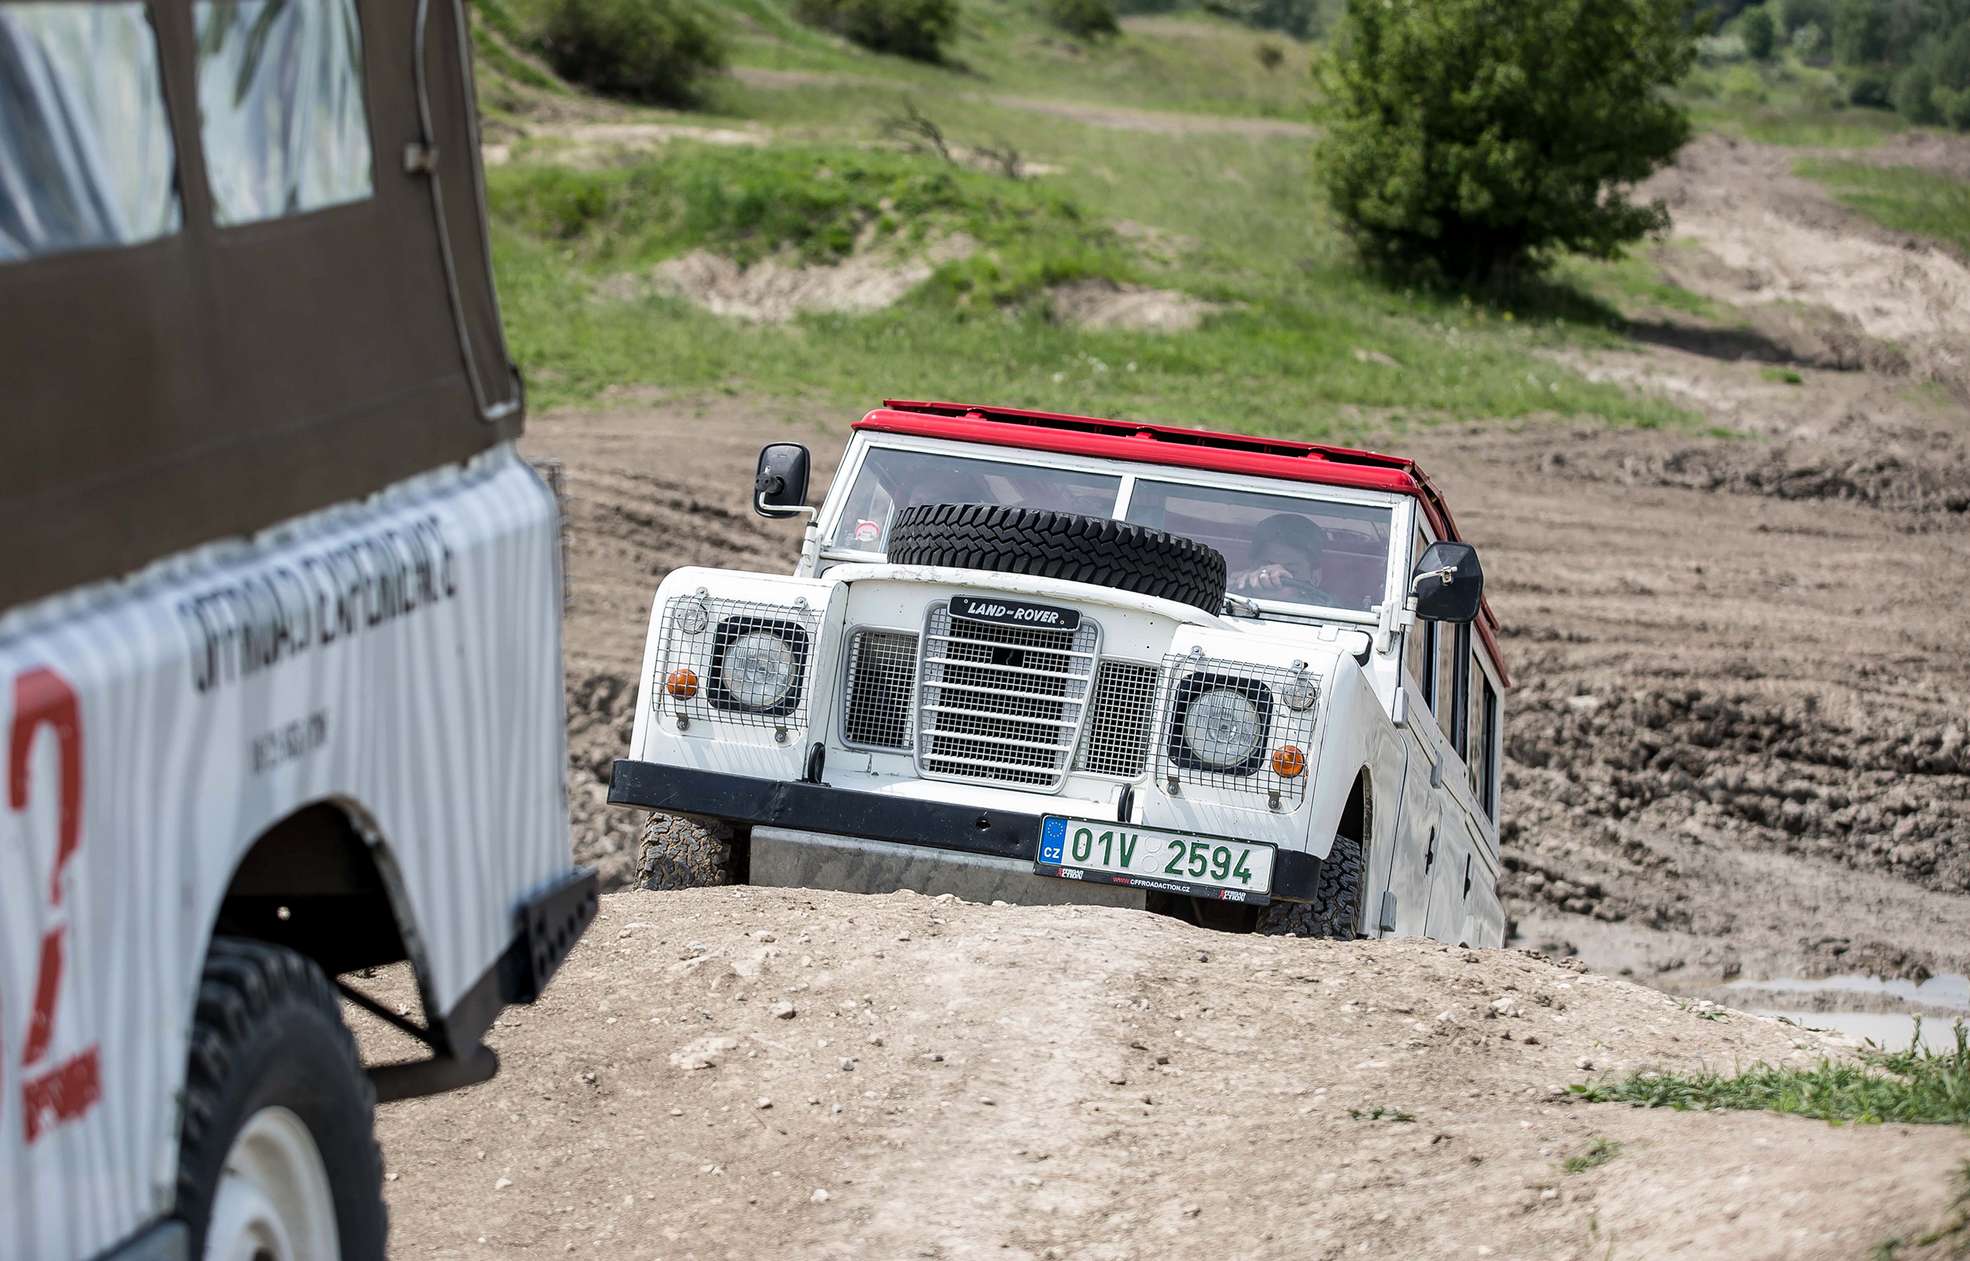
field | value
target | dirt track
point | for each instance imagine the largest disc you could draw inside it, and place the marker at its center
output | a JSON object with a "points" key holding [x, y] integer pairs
{"points": [[738, 1073], [1739, 749]]}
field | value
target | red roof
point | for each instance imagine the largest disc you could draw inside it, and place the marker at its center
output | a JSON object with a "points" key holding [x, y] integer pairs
{"points": [[1277, 458]]}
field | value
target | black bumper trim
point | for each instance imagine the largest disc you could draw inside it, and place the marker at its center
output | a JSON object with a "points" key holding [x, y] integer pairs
{"points": [[818, 808], [749, 801]]}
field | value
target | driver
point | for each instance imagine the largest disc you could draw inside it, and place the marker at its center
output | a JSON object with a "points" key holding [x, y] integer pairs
{"points": [[1287, 554]]}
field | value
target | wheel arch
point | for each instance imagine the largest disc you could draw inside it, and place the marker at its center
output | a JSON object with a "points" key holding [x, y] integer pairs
{"points": [[321, 881]]}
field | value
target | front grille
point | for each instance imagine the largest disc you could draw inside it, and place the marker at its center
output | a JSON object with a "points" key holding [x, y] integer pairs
{"points": [[1123, 722], [1001, 703], [882, 678]]}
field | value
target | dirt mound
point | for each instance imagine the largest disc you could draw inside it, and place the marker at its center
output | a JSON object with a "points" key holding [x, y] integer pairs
{"points": [[775, 290], [1805, 471], [1764, 239], [1769, 768], [1104, 304], [728, 1072]]}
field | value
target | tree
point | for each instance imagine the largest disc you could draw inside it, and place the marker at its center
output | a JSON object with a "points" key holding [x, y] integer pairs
{"points": [[1759, 32], [909, 28], [1860, 32], [1474, 136], [1799, 14], [1083, 19], [643, 50]]}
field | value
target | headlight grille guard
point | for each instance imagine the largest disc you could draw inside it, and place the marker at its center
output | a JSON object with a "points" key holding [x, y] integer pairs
{"points": [[695, 636], [1255, 783]]}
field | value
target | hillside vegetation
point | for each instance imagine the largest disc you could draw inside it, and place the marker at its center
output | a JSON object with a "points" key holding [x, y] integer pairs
{"points": [[1027, 179]]}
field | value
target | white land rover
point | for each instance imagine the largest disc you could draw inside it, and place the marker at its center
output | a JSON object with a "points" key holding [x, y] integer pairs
{"points": [[1054, 658]]}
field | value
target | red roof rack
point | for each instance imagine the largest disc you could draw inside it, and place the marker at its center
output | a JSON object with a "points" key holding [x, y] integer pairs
{"points": [[1142, 442]]}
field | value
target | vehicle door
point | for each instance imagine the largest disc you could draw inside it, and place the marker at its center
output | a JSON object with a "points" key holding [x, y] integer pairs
{"points": [[1412, 858]]}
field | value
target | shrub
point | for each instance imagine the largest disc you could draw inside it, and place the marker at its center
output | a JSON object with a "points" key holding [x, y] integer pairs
{"points": [[1954, 107], [909, 28], [1795, 15], [645, 50], [1759, 32], [1478, 136], [1270, 55], [1083, 19], [1860, 32], [1295, 17], [1871, 90], [1808, 40], [1915, 96]]}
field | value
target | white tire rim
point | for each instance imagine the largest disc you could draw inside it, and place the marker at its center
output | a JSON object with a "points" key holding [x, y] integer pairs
{"points": [[274, 1201]]}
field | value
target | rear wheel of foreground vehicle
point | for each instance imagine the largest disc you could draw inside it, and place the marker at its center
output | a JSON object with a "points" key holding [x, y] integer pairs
{"points": [[277, 1158], [1336, 907], [1097, 550], [681, 853]]}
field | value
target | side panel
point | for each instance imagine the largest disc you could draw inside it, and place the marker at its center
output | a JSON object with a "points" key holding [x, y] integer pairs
{"points": [[400, 656]]}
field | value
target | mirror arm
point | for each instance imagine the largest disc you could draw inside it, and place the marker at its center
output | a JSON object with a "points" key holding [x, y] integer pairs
{"points": [[1443, 575], [792, 510]]}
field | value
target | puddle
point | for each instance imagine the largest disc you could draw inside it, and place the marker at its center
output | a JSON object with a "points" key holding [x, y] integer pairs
{"points": [[1887, 1031], [1946, 990]]}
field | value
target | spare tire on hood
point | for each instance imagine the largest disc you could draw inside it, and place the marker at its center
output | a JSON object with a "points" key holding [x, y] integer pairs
{"points": [[1045, 544]]}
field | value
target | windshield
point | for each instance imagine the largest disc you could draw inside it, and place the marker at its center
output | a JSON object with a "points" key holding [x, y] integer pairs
{"points": [[893, 480], [1278, 547]]}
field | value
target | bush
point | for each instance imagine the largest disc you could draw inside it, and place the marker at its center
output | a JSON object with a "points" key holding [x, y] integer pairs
{"points": [[644, 50], [1860, 32], [1270, 55], [1759, 32], [1295, 17], [1915, 96], [1083, 19], [909, 28], [1954, 107], [1871, 90], [1808, 40], [1796, 15], [1478, 136]]}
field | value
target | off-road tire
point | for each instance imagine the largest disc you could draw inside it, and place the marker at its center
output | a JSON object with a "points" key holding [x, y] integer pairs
{"points": [[1045, 544], [267, 1032], [683, 853], [1335, 911]]}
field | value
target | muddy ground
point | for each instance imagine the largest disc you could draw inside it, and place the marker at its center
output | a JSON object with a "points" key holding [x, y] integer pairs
{"points": [[1738, 751]]}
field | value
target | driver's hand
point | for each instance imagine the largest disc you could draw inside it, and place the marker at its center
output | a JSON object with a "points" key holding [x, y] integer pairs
{"points": [[1264, 578]]}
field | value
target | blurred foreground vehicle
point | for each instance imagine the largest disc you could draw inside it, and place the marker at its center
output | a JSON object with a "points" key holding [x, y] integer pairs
{"points": [[280, 675], [1049, 658]]}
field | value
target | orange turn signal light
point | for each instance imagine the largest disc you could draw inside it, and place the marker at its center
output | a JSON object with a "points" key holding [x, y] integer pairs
{"points": [[1288, 762], [683, 684]]}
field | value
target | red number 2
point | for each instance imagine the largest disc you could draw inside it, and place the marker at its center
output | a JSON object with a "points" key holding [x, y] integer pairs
{"points": [[62, 1092]]}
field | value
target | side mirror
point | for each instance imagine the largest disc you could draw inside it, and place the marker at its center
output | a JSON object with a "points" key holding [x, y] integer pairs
{"points": [[779, 489], [1448, 583]]}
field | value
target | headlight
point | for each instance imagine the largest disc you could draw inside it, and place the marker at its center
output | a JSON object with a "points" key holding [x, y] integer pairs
{"points": [[1222, 726], [758, 670]]}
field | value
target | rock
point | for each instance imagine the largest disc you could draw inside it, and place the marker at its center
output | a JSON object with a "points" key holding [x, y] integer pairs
{"points": [[820, 1196], [784, 1010], [702, 1053], [502, 1184]]}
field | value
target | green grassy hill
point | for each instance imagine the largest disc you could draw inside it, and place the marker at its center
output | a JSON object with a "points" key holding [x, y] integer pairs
{"points": [[1170, 159]]}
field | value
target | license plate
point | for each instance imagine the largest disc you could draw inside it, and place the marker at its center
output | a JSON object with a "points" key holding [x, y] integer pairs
{"points": [[1153, 858]]}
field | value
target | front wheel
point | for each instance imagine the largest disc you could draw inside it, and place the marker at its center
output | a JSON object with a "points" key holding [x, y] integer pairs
{"points": [[277, 1158], [1335, 911]]}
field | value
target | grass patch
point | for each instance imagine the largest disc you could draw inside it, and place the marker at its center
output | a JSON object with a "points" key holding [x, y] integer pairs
{"points": [[1781, 376], [1598, 1153], [1301, 334], [1380, 1113], [1916, 1086], [1785, 103], [1904, 198], [817, 202]]}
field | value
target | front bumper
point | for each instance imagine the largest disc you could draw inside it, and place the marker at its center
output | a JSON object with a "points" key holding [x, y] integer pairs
{"points": [[800, 806]]}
